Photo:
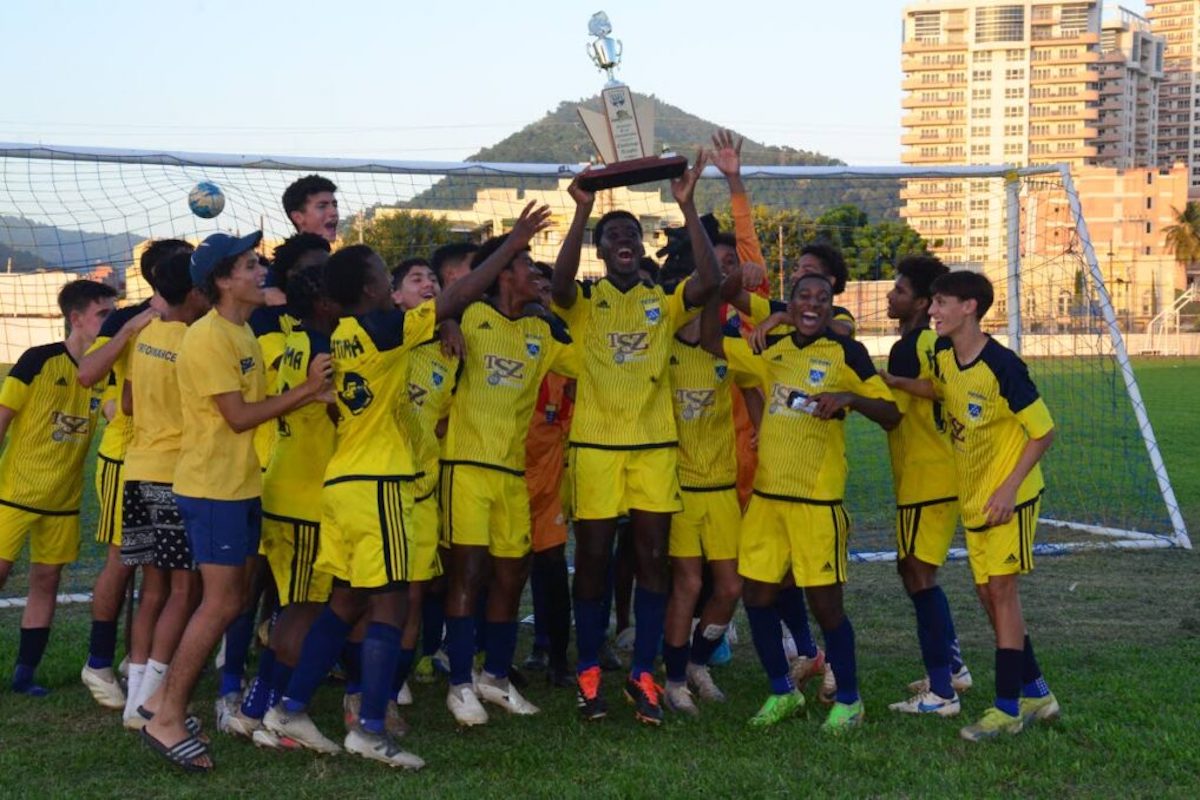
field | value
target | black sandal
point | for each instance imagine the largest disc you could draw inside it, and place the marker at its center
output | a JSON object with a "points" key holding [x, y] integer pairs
{"points": [[182, 755], [191, 723]]}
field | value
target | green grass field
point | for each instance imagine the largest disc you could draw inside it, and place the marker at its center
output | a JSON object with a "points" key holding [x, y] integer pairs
{"points": [[1118, 635]]}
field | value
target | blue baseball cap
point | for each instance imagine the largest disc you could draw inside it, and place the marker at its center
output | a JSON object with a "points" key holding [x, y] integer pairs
{"points": [[216, 247]]}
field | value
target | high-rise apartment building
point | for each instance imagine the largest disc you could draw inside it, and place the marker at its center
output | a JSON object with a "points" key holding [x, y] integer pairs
{"points": [[1003, 82], [1178, 23]]}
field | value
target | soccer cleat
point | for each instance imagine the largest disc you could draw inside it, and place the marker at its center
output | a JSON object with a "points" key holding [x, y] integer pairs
{"points": [[827, 694], [993, 723], [300, 729], [803, 669], [624, 640], [700, 679], [777, 708], [105, 688], [441, 662], [238, 724], [609, 660], [588, 698], [645, 695], [1040, 709], [502, 692], [351, 706], [465, 706], [928, 703], [227, 706], [678, 698], [842, 717], [269, 740], [404, 696], [381, 747], [959, 681], [538, 661], [423, 671]]}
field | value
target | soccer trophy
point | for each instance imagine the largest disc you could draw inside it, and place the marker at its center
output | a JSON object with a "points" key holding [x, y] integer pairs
{"points": [[623, 134]]}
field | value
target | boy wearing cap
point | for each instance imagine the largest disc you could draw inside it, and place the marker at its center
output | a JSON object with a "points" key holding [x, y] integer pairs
{"points": [[217, 480]]}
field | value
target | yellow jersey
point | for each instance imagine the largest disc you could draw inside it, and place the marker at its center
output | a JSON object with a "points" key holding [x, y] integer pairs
{"points": [[701, 386], [992, 409], [119, 430], [623, 399], [802, 458], [498, 385], [431, 380], [922, 461], [371, 353], [158, 413], [304, 438], [217, 356], [42, 466], [271, 325]]}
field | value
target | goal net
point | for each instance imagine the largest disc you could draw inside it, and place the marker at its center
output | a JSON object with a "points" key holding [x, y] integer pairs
{"points": [[71, 212]]}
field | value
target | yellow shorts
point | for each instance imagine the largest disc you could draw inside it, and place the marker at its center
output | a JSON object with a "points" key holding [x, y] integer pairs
{"points": [[366, 532], [290, 546], [708, 526], [426, 530], [609, 483], [53, 538], [810, 538], [925, 530], [485, 508], [1005, 549], [110, 493]]}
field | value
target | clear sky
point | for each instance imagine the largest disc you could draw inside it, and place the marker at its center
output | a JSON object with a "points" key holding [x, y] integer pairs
{"points": [[436, 80]]}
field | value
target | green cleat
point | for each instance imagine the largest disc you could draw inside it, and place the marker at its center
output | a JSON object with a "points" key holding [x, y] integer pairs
{"points": [[423, 671], [993, 723], [778, 708], [1040, 709], [843, 717]]}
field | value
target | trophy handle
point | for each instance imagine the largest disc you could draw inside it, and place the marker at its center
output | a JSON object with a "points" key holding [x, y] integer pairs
{"points": [[620, 48]]}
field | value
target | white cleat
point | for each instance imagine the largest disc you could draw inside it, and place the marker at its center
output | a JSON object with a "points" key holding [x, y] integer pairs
{"points": [[404, 696], [700, 679], [959, 681], [929, 703], [238, 724], [465, 706], [381, 747], [227, 708], [105, 688], [501, 692], [678, 698], [300, 729], [269, 740]]}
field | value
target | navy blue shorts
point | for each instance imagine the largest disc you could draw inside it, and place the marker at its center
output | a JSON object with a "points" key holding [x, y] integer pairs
{"points": [[222, 532]]}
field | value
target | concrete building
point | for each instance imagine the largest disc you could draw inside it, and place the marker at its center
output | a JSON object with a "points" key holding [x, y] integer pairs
{"points": [[1177, 22], [1131, 72]]}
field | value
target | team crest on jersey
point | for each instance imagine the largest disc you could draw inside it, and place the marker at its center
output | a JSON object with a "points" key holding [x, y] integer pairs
{"points": [[93, 404], [533, 346], [628, 347], [818, 368], [693, 402], [355, 393], [247, 364], [438, 378], [67, 426], [974, 406], [652, 310], [501, 370], [722, 370]]}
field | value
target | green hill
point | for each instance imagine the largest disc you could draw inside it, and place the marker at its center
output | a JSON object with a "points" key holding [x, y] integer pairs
{"points": [[559, 138]]}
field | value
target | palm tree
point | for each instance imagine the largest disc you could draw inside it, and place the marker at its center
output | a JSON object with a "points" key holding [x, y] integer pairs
{"points": [[1183, 237]]}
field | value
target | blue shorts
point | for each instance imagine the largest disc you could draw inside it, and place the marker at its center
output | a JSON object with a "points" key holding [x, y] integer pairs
{"points": [[222, 532]]}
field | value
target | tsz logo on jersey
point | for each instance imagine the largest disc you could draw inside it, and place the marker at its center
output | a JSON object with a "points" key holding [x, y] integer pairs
{"points": [[628, 346], [67, 426], [818, 368], [974, 406], [417, 394], [504, 370], [786, 397], [355, 393], [693, 402], [652, 310]]}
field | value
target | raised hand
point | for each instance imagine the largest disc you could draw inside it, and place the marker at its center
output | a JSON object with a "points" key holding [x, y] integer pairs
{"points": [[753, 275], [684, 187], [581, 196], [726, 154], [531, 222]]}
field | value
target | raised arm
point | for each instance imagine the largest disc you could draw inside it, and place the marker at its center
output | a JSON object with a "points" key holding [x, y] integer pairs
{"points": [[727, 157], [566, 266], [707, 277], [712, 338], [471, 286], [95, 366]]}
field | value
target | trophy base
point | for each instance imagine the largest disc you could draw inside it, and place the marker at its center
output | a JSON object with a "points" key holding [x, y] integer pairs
{"points": [[632, 172]]}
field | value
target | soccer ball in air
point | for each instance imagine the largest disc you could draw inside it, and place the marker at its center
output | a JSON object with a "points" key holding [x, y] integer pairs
{"points": [[206, 200]]}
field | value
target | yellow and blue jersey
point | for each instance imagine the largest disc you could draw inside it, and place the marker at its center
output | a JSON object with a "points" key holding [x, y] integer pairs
{"points": [[922, 460], [432, 376], [700, 387]]}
